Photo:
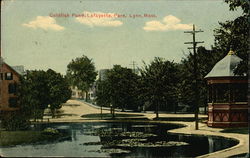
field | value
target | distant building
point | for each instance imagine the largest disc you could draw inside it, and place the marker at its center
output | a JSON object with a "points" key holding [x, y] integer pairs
{"points": [[9, 79], [92, 92], [77, 93], [103, 74]]}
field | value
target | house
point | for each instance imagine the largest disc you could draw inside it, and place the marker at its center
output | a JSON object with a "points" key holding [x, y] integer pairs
{"points": [[9, 79], [77, 93], [103, 74], [92, 92]]}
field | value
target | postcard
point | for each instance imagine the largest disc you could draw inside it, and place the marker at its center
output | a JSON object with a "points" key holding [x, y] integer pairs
{"points": [[123, 78]]}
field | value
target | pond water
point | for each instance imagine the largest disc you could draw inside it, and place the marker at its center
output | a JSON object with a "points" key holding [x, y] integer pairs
{"points": [[120, 140]]}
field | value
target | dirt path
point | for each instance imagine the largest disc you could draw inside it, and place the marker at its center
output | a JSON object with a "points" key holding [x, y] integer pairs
{"points": [[74, 109]]}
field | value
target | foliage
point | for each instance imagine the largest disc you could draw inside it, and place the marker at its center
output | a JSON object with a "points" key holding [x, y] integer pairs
{"points": [[15, 120], [103, 93], [207, 59], [235, 34], [50, 131], [59, 91], [243, 4], [123, 89], [33, 94], [81, 73], [119, 89], [37, 89], [159, 80]]}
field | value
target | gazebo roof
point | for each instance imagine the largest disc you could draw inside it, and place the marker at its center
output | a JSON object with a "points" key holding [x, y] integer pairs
{"points": [[225, 67]]}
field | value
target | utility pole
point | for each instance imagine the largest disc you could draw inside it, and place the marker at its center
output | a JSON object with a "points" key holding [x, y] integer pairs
{"points": [[133, 65], [195, 74], [101, 103]]}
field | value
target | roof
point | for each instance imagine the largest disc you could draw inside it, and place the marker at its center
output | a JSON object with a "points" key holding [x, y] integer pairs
{"points": [[226, 66], [12, 69], [19, 69]]}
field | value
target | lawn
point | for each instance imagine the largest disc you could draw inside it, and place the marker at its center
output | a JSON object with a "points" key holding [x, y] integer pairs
{"points": [[243, 130], [109, 116], [10, 138]]}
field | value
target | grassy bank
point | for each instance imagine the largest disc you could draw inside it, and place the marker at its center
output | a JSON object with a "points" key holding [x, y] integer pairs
{"points": [[242, 130], [9, 138]]}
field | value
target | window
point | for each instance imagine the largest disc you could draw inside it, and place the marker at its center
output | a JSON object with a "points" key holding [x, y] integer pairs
{"points": [[13, 102], [240, 92], [8, 76], [12, 88], [1, 76]]}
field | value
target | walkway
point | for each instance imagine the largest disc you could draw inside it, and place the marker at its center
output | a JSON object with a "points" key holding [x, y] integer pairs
{"points": [[73, 110]]}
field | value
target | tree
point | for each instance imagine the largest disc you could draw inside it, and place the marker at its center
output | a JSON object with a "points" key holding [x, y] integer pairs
{"points": [[119, 89], [159, 80], [123, 88], [38, 89], [206, 60], [235, 34], [81, 73], [33, 93], [59, 91], [103, 93]]}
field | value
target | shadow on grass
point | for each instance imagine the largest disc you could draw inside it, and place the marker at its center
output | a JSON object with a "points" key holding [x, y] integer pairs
{"points": [[62, 115], [108, 116], [186, 119], [244, 155], [68, 104], [243, 130]]}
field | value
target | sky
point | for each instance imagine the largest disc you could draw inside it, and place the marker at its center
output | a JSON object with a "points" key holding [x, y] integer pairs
{"points": [[50, 33]]}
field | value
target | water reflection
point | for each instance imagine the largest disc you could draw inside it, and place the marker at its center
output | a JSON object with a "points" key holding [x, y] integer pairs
{"points": [[121, 140]]}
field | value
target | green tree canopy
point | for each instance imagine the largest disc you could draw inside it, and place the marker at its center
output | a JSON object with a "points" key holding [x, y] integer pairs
{"points": [[119, 88], [59, 90], [206, 60], [81, 73], [159, 80], [33, 93], [38, 89], [235, 34]]}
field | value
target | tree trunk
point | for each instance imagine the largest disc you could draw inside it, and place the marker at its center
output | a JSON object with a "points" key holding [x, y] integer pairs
{"points": [[174, 108], [157, 110], [101, 111], [86, 96], [123, 108], [113, 112], [53, 113]]}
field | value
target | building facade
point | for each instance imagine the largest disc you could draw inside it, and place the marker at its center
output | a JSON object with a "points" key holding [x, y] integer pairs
{"points": [[9, 79]]}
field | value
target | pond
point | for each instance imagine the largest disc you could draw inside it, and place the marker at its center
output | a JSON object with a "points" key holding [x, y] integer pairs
{"points": [[120, 140]]}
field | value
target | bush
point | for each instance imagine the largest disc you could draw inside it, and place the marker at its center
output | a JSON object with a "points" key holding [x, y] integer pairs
{"points": [[13, 121], [50, 131]]}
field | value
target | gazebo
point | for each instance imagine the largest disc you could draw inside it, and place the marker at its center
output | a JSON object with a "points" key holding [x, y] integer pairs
{"points": [[227, 94]]}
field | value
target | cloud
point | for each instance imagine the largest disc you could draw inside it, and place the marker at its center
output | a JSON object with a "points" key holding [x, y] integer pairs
{"points": [[168, 23], [44, 22], [99, 19]]}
